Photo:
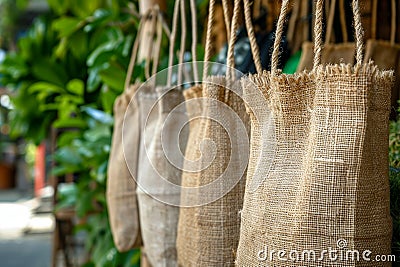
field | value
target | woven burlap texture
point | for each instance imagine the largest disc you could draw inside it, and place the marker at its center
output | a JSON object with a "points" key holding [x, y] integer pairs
{"points": [[328, 179], [159, 219], [186, 225], [323, 183], [209, 234], [121, 185]]}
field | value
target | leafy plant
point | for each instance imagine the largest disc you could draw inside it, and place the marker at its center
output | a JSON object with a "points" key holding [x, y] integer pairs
{"points": [[66, 73], [394, 144], [394, 159], [85, 153]]}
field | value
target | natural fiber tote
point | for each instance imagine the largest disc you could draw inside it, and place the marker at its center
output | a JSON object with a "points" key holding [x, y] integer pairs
{"points": [[121, 184], [209, 224], [159, 174], [159, 219], [385, 54], [318, 172], [332, 53]]}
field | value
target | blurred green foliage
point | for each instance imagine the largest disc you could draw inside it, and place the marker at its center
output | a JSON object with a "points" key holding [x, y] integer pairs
{"points": [[394, 159], [66, 73]]}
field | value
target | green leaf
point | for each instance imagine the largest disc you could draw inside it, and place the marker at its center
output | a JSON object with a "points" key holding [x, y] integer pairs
{"points": [[69, 123], [126, 48], [85, 9], [101, 49], [59, 6], [66, 138], [61, 49], [100, 16], [76, 86], [68, 100], [14, 65], [22, 4], [98, 132], [93, 81], [60, 171], [104, 35], [47, 107], [49, 71], [99, 115], [66, 26], [45, 87], [101, 176], [84, 205], [107, 97], [114, 76], [78, 45], [67, 156]]}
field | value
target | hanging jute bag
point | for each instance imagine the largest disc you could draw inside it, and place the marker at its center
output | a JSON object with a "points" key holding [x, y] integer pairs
{"points": [[121, 181], [158, 217], [209, 219], [159, 172], [385, 54], [318, 172], [332, 53]]}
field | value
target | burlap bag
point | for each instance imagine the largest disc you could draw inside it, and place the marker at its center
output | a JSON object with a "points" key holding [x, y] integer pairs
{"points": [[385, 54], [121, 181], [209, 227], [161, 160], [208, 233], [186, 225], [144, 262], [318, 172], [121, 186], [332, 53], [159, 219]]}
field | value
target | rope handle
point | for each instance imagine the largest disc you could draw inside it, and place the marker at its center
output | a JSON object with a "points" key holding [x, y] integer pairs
{"points": [[359, 34], [230, 60], [252, 38], [208, 48], [278, 36], [194, 40], [183, 41], [231, 32], [250, 32], [179, 8], [152, 13], [150, 53]]}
